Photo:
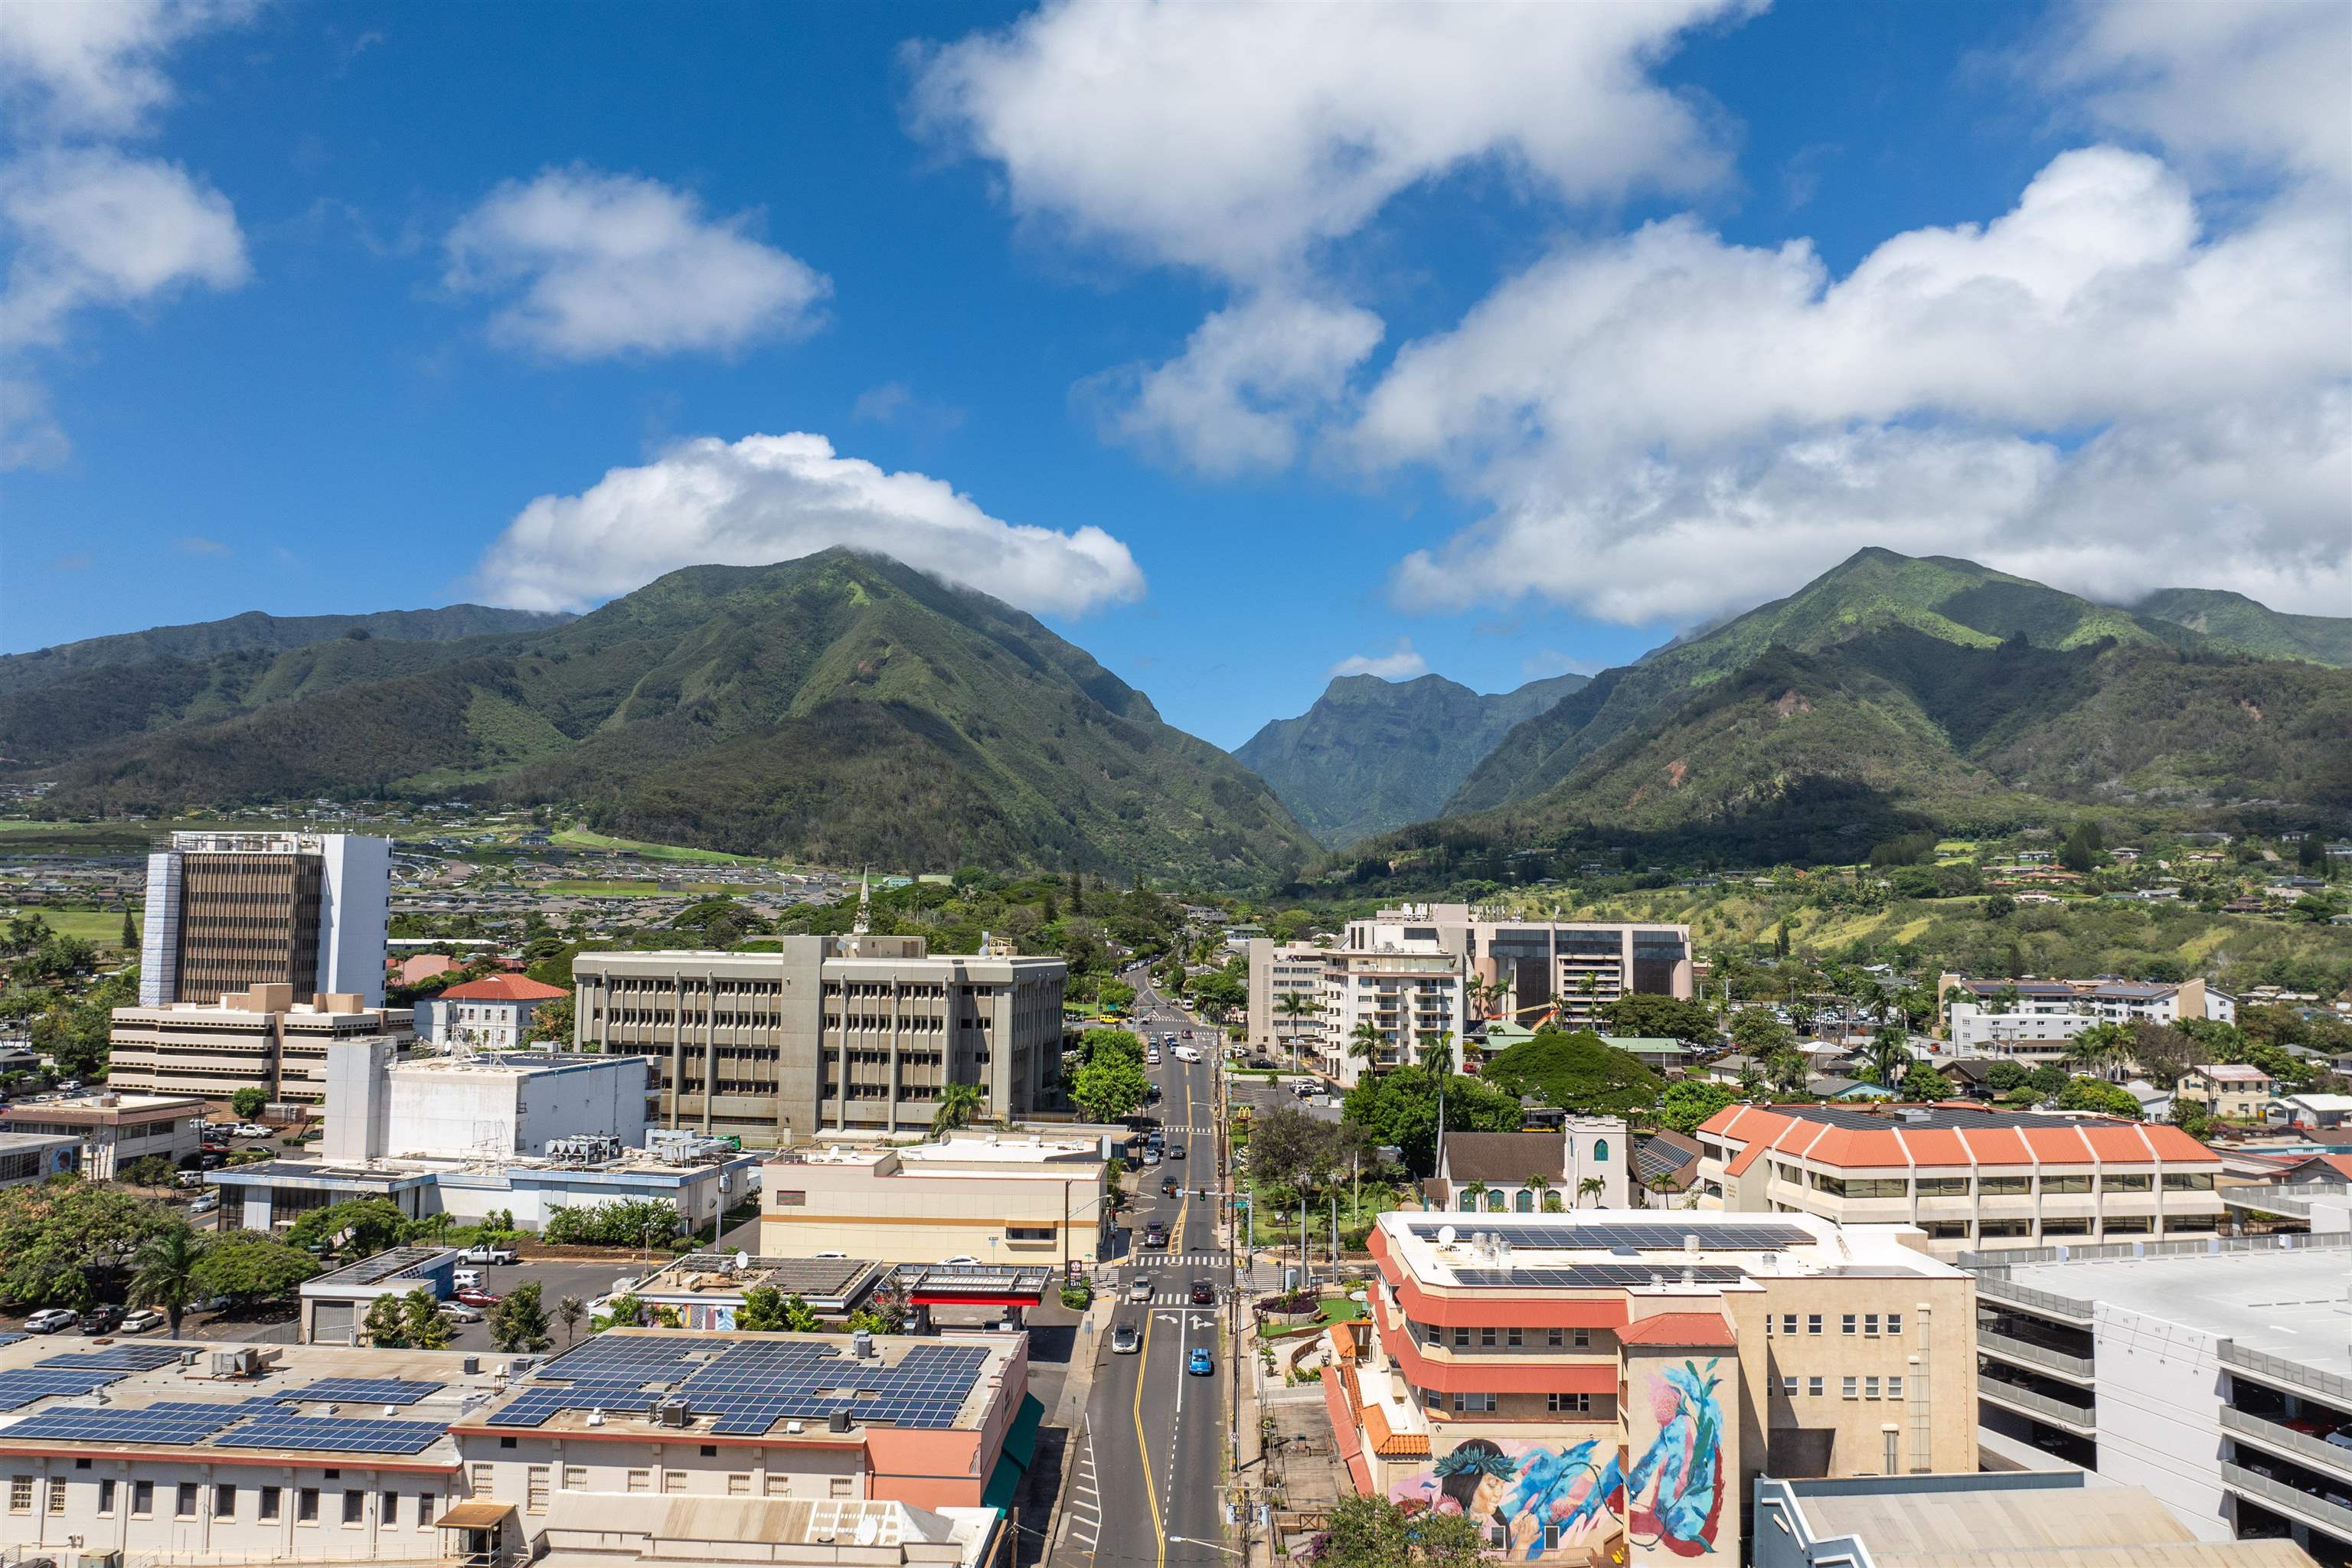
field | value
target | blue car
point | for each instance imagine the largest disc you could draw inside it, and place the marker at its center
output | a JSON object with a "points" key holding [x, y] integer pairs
{"points": [[1197, 1363]]}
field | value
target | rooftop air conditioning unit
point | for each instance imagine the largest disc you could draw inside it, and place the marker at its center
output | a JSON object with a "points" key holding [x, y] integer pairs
{"points": [[674, 1413], [861, 1344], [839, 1420]]}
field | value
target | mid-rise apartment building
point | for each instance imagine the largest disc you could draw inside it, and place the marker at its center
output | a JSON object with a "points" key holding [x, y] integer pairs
{"points": [[287, 1453], [1278, 971], [228, 912], [1542, 972], [1410, 997], [1606, 1384], [2215, 1374], [2230, 1089], [261, 1038], [1971, 1179], [2033, 1020], [114, 1127], [829, 1034]]}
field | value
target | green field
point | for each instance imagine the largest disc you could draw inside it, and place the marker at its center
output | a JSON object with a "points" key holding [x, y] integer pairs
{"points": [[599, 889], [99, 928], [581, 838]]}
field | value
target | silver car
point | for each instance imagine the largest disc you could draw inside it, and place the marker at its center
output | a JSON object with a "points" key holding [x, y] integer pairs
{"points": [[1125, 1341]]}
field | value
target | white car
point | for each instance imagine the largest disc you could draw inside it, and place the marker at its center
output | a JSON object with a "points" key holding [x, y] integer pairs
{"points": [[205, 1203], [49, 1321], [486, 1255], [963, 1260]]}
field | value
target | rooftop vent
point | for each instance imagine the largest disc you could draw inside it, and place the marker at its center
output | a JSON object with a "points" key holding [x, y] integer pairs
{"points": [[839, 1420]]}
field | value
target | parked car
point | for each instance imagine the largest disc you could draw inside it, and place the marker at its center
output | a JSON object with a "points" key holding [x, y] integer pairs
{"points": [[467, 1278], [205, 1203], [961, 1260], [1198, 1363], [475, 1296], [189, 1178], [1261, 1064], [483, 1253], [141, 1319], [251, 1129], [49, 1321], [1139, 1290], [1125, 1341], [1203, 1293], [459, 1312], [102, 1319]]}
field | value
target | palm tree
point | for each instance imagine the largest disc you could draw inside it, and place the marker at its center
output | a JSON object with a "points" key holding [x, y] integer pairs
{"points": [[1890, 1058], [569, 1311], [1751, 1078], [1476, 1192], [1788, 1072], [166, 1276], [1590, 1188], [1365, 1044], [1292, 1006], [1437, 1053], [1539, 1184], [959, 1103], [2098, 1048]]}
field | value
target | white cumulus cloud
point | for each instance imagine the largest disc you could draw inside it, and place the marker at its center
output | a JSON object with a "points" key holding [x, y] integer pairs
{"points": [[2094, 387], [1399, 663], [774, 497], [94, 226], [601, 265], [96, 66], [1245, 141]]}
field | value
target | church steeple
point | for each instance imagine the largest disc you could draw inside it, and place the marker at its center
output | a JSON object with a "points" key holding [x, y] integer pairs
{"points": [[865, 904]]}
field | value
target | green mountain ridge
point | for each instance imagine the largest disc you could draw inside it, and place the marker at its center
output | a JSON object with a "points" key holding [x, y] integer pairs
{"points": [[1894, 694], [1372, 754], [840, 707], [2233, 621], [256, 630]]}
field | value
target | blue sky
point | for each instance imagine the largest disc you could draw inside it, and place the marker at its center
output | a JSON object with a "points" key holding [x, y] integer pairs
{"points": [[1238, 344]]}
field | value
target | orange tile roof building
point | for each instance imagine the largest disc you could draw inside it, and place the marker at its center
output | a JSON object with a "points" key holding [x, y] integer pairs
{"points": [[1972, 1179], [1612, 1381], [492, 1013]]}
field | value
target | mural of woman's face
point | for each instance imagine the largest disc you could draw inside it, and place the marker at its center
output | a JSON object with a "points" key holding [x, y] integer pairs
{"points": [[1487, 1503]]}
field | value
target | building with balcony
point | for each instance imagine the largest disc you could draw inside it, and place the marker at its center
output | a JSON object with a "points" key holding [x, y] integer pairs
{"points": [[1538, 973], [2033, 1020], [1612, 1380], [2215, 1374], [854, 1033], [2234, 1091], [1411, 998], [1972, 1179], [1278, 970], [636, 1447]]}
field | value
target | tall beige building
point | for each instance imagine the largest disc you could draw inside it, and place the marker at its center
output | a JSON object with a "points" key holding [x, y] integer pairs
{"points": [[830, 1034], [226, 912]]}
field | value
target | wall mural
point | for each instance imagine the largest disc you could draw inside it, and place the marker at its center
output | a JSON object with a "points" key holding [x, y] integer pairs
{"points": [[1546, 1500], [1676, 1488]]}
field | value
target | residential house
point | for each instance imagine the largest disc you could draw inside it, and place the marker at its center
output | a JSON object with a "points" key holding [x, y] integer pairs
{"points": [[2230, 1090]]}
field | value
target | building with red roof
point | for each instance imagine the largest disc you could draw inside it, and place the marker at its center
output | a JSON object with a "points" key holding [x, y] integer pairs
{"points": [[492, 1013], [1974, 1179]]}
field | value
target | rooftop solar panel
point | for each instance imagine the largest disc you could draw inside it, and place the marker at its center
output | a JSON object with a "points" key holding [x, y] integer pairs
{"points": [[363, 1391], [1600, 1276], [10, 1339], [19, 1386], [339, 1433], [1647, 1235], [160, 1423], [118, 1358], [748, 1386]]}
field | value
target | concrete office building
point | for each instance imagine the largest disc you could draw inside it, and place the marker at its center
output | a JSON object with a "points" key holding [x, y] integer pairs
{"points": [[2033, 1020], [228, 912], [1550, 1373], [1971, 1179], [283, 1454], [261, 1038], [114, 1126], [27, 1159], [2215, 1374], [855, 1034], [1003, 1200]]}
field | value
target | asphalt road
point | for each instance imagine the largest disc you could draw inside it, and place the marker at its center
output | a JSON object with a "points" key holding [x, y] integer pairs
{"points": [[1153, 1464]]}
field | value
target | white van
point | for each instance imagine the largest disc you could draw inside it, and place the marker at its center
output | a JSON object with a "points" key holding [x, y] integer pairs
{"points": [[1188, 1053]]}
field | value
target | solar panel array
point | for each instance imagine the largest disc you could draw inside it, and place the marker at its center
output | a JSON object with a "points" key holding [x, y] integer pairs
{"points": [[10, 1338], [363, 1391], [163, 1422], [1647, 1235], [20, 1386], [749, 1387], [1600, 1276], [341, 1434], [119, 1358]]}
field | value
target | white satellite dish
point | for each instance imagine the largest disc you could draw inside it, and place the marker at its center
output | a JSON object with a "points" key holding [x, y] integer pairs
{"points": [[1444, 1236], [742, 1259]]}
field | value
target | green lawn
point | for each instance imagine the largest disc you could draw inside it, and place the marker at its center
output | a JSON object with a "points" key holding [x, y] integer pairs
{"points": [[598, 889], [1377, 1199], [100, 928], [581, 838]]}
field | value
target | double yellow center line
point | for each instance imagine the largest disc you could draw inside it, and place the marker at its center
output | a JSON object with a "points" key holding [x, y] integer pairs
{"points": [[1143, 1362]]}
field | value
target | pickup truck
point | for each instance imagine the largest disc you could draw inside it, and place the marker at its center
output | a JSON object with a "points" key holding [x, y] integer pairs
{"points": [[498, 1255]]}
